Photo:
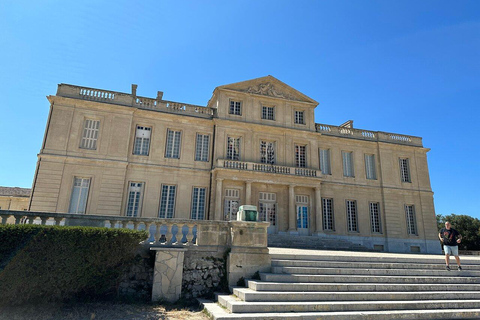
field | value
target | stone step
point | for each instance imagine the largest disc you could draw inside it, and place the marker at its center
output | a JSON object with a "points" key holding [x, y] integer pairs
{"points": [[367, 265], [370, 256], [235, 305], [219, 313], [353, 287], [273, 277], [248, 295], [379, 272]]}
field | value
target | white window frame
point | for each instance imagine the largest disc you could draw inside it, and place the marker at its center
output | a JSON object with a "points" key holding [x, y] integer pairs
{"points": [[167, 205], [267, 152], [370, 170], [348, 164], [199, 196], [411, 219], [328, 215], [300, 161], [174, 143], [235, 107], [202, 147], [91, 127], [267, 207], [133, 208], [299, 116], [324, 155], [79, 196], [375, 217], [141, 145], [233, 148], [231, 204], [405, 170], [268, 113], [352, 215]]}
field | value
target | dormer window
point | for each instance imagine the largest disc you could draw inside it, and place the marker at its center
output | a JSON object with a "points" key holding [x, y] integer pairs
{"points": [[299, 117], [235, 107], [268, 113]]}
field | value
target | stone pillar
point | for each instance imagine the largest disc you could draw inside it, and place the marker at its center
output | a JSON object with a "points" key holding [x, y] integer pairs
{"points": [[167, 274], [218, 200], [249, 252], [248, 192], [292, 219], [318, 210]]}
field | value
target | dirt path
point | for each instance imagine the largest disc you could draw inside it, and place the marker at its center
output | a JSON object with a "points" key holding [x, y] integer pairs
{"points": [[101, 311]]}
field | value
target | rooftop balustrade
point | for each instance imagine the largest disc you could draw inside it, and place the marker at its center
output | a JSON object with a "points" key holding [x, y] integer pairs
{"points": [[345, 132], [131, 100]]}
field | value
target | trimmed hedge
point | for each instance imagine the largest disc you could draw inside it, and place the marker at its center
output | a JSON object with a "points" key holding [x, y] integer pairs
{"points": [[51, 263]]}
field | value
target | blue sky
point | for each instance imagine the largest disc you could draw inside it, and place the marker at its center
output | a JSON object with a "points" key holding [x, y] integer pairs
{"points": [[375, 62]]}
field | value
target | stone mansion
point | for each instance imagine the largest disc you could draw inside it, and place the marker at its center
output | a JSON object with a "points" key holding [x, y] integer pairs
{"points": [[256, 142]]}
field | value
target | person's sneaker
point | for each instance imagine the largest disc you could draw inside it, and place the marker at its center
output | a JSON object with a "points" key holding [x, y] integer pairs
{"points": [[459, 268], [448, 268]]}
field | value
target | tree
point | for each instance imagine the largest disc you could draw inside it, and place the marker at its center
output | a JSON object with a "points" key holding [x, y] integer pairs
{"points": [[468, 227]]}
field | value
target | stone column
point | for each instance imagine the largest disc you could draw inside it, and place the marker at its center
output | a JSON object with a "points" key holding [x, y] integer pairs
{"points": [[292, 221], [167, 274], [248, 192], [318, 210], [218, 200]]}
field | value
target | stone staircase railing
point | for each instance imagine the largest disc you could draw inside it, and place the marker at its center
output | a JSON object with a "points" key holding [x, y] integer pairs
{"points": [[163, 232]]}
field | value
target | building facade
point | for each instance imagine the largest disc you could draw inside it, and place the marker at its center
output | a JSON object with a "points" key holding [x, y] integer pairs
{"points": [[256, 142]]}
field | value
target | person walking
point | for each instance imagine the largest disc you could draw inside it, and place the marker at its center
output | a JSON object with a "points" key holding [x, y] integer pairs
{"points": [[450, 239]]}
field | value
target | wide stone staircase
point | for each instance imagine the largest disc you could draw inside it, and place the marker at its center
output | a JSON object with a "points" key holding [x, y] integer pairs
{"points": [[341, 285], [312, 242]]}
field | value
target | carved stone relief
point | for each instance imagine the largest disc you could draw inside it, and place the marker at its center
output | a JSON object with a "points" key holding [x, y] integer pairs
{"points": [[268, 89]]}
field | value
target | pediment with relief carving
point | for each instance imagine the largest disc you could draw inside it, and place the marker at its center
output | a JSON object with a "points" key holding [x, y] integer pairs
{"points": [[271, 87]]}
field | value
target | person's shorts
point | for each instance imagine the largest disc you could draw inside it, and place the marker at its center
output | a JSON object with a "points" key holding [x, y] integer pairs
{"points": [[451, 250]]}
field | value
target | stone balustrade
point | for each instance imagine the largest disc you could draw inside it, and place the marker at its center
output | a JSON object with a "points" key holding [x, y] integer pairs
{"points": [[339, 131], [130, 100], [162, 232], [269, 168]]}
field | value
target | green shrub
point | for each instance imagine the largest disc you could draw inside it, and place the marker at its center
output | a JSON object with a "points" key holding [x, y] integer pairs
{"points": [[50, 263]]}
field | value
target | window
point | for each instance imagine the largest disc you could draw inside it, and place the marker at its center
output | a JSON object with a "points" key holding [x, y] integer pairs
{"points": [[78, 201], [411, 220], [347, 164], [233, 148], [231, 204], [201, 149], [370, 167], [235, 108], [268, 113], [267, 152], [375, 217], [142, 140], [325, 161], [302, 211], [90, 134], [167, 202], [300, 156], [134, 200], [405, 170], [172, 149], [198, 204], [267, 207], [327, 211], [352, 215], [299, 117]]}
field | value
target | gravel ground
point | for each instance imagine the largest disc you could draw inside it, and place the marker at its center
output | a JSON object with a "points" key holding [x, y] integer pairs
{"points": [[102, 311]]}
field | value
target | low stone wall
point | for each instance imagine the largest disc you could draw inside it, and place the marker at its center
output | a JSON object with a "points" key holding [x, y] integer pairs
{"points": [[204, 273]]}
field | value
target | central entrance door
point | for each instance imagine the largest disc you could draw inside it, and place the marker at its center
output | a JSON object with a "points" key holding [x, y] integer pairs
{"points": [[267, 210]]}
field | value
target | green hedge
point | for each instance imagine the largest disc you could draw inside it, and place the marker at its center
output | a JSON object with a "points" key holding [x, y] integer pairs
{"points": [[50, 263]]}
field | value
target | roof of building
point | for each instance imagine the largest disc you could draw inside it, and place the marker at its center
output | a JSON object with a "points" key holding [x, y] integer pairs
{"points": [[15, 191]]}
